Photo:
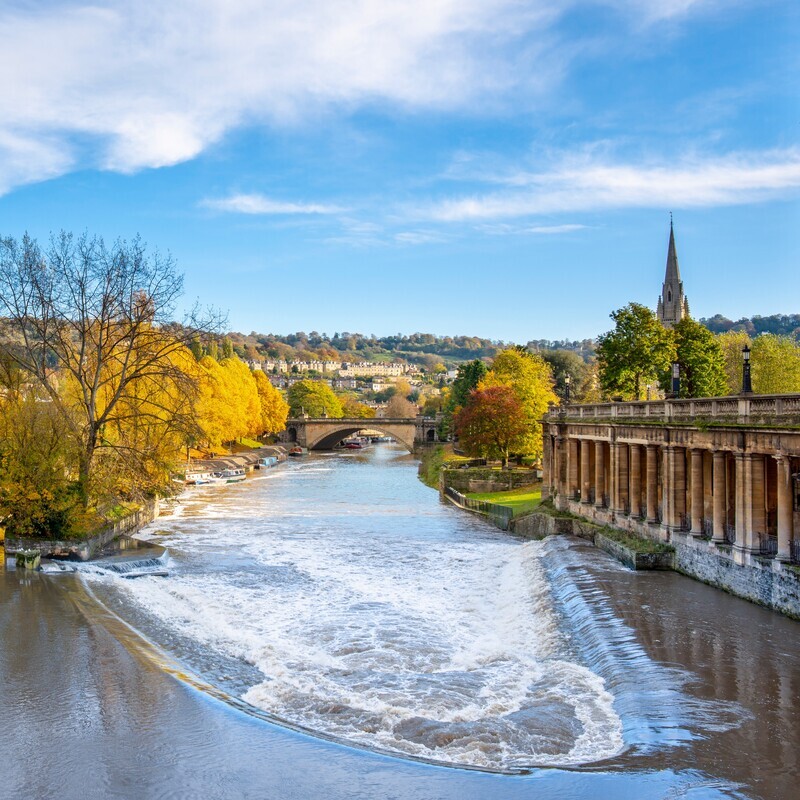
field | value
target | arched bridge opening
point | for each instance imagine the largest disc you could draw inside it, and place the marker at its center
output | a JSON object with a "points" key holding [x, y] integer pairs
{"points": [[329, 439]]}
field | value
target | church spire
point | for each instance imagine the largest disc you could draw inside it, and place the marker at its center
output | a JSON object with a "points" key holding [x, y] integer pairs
{"points": [[672, 305]]}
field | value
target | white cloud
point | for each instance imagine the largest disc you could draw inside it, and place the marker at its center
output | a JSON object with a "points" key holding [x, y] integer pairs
{"points": [[259, 204], [126, 84], [153, 84], [588, 183]]}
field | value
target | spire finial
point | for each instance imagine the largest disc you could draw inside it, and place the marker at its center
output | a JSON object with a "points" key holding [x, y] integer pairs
{"points": [[670, 219]]}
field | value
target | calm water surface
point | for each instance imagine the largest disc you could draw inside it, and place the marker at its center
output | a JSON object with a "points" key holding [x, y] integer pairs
{"points": [[392, 634]]}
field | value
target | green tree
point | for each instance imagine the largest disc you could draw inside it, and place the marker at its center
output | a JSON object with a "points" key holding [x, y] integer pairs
{"points": [[775, 364], [636, 353], [468, 376], [702, 363], [314, 398], [568, 364], [531, 379], [731, 344], [493, 423]]}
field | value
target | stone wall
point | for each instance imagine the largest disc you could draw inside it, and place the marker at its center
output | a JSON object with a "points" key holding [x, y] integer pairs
{"points": [[84, 549], [483, 479], [765, 581]]}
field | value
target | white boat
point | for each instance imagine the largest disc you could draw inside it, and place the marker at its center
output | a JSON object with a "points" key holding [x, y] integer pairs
{"points": [[234, 475], [199, 478]]}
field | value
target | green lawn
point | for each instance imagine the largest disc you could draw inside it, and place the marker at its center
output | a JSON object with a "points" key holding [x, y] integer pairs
{"points": [[522, 500]]}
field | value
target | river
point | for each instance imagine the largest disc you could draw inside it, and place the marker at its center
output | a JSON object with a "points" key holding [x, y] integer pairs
{"points": [[329, 628]]}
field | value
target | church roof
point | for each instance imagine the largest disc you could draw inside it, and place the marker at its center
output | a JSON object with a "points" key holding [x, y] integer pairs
{"points": [[673, 274]]}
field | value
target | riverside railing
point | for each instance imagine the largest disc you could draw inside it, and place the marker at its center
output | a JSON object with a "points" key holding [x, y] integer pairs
{"points": [[749, 408], [500, 515]]}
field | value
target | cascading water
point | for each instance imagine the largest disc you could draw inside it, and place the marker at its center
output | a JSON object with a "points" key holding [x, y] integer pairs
{"points": [[339, 595]]}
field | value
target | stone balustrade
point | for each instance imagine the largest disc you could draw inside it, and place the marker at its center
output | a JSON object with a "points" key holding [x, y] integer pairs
{"points": [[739, 409]]}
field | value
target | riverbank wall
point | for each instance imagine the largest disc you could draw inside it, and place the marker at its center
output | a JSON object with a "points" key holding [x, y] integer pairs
{"points": [[84, 549], [766, 581]]}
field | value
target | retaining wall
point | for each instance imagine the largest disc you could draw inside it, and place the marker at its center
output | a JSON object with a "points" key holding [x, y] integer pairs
{"points": [[482, 479], [84, 549]]}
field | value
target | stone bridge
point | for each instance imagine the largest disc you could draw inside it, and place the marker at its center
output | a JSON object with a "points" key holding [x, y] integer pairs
{"points": [[325, 433]]}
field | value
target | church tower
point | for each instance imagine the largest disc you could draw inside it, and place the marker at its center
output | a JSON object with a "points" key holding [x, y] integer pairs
{"points": [[672, 304]]}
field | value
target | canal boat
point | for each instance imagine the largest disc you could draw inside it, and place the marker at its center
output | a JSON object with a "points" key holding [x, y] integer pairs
{"points": [[235, 475], [199, 478], [268, 461]]}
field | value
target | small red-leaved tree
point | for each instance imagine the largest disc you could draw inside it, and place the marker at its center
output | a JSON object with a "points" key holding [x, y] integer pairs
{"points": [[492, 423]]}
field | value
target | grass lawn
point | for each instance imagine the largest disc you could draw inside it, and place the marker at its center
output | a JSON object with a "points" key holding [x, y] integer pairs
{"points": [[522, 500]]}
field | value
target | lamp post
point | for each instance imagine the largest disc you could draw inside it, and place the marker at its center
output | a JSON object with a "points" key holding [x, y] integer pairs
{"points": [[567, 380], [747, 386], [676, 380]]}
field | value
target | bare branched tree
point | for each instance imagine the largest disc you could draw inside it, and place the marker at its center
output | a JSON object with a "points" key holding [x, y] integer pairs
{"points": [[93, 325]]}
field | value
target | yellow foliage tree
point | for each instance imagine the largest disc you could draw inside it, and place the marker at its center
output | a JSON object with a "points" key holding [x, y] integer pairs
{"points": [[274, 409], [775, 362]]}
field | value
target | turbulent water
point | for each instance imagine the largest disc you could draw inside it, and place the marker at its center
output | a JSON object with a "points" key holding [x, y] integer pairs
{"points": [[336, 593]]}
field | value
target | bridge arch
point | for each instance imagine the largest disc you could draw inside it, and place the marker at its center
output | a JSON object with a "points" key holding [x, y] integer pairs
{"points": [[328, 439]]}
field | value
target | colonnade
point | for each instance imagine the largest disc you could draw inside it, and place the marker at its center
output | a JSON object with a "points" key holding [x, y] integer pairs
{"points": [[715, 487]]}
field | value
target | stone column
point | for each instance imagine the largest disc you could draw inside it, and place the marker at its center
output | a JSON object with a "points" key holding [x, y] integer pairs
{"points": [[652, 483], [572, 468], [677, 470], [599, 473], [636, 480], [757, 526], [740, 519], [785, 512], [697, 492], [666, 486], [546, 464], [613, 478], [708, 483], [720, 496], [623, 476], [586, 478]]}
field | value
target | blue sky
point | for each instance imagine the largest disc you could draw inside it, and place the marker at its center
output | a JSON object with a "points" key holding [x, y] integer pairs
{"points": [[486, 167]]}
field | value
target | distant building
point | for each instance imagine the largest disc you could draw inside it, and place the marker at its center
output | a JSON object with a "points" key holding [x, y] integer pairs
{"points": [[672, 304], [365, 369]]}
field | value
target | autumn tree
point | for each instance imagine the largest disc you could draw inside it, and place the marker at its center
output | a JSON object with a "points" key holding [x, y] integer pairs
{"points": [[702, 364], [36, 497], [636, 353], [314, 398], [353, 409], [99, 318], [493, 423], [400, 408], [530, 377], [274, 409]]}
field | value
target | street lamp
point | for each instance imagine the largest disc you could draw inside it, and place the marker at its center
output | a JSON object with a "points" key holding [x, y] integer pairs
{"points": [[747, 386], [676, 379], [567, 380]]}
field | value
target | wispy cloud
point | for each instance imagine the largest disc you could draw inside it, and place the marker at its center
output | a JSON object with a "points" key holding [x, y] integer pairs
{"points": [[259, 204], [125, 85], [588, 183]]}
